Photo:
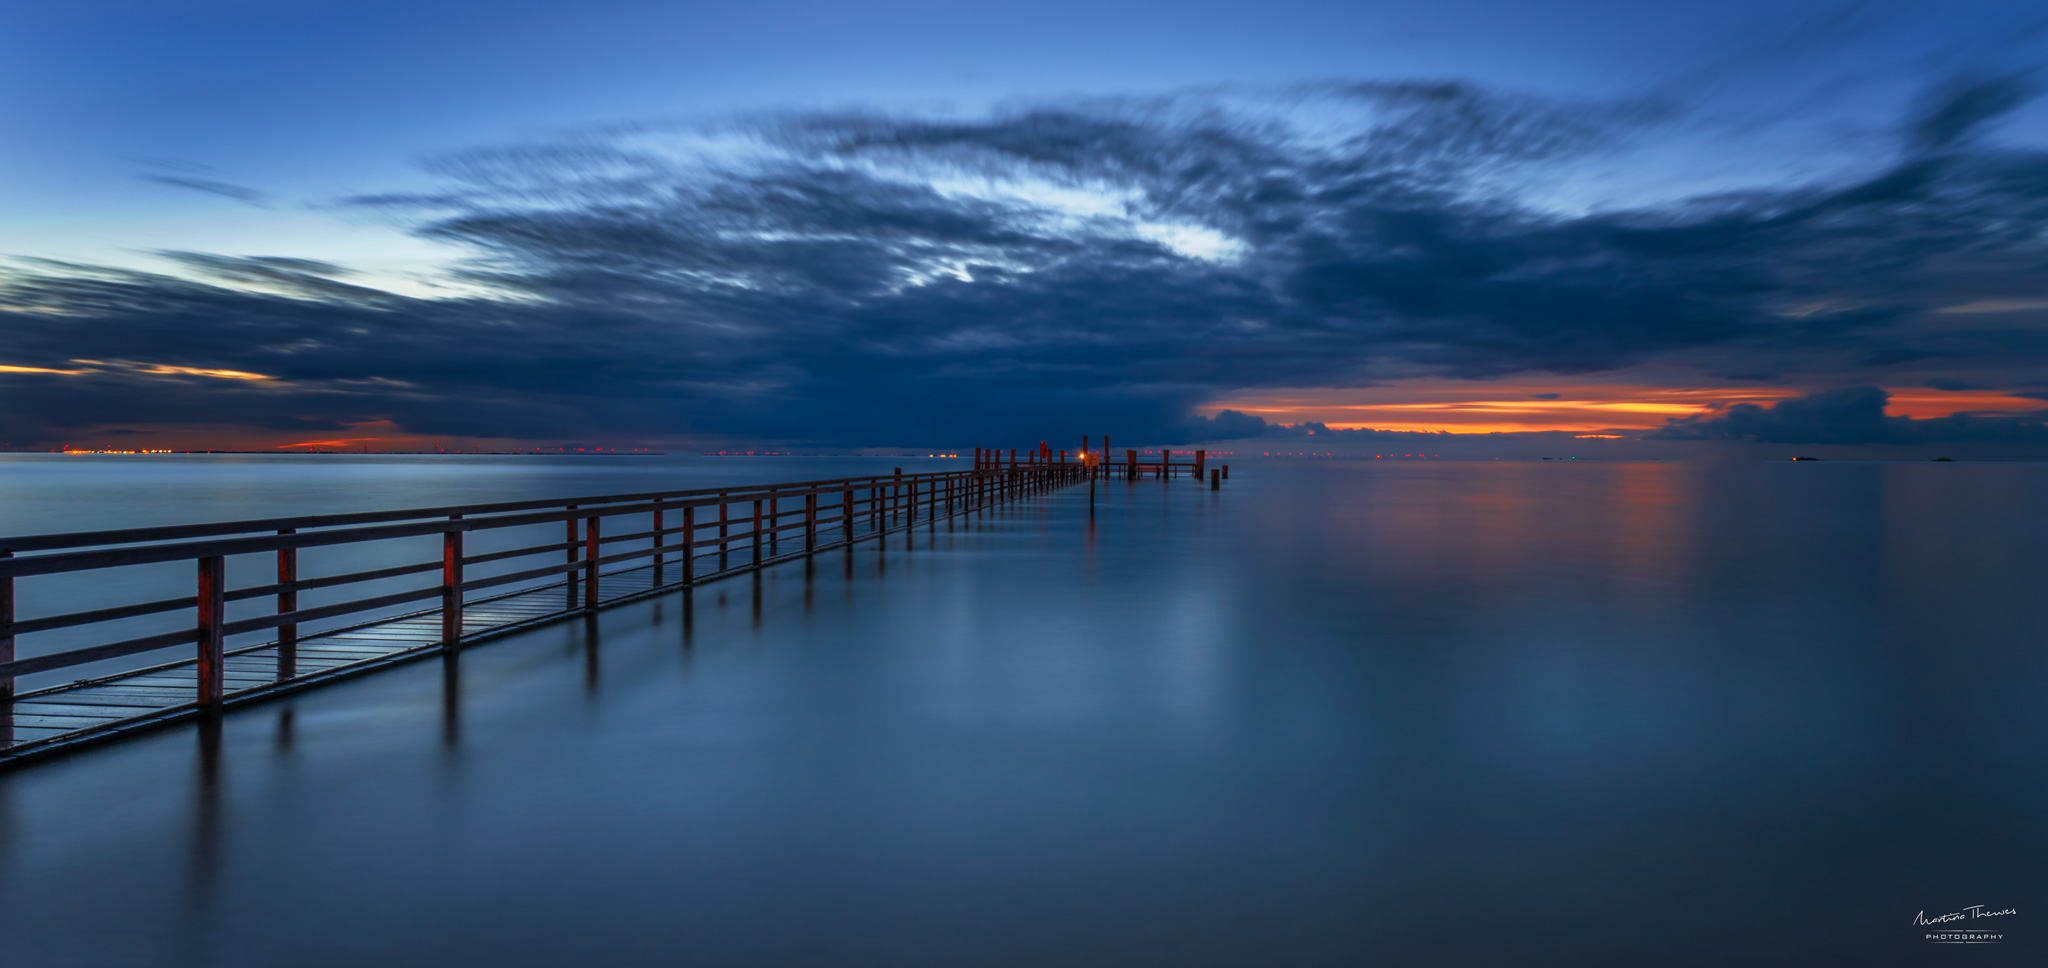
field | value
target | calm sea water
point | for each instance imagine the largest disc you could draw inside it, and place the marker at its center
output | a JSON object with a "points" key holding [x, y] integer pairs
{"points": [[1340, 713]]}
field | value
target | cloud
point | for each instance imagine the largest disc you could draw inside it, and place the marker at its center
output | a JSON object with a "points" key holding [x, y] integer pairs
{"points": [[861, 277], [1237, 425], [1852, 415], [1964, 107], [210, 186]]}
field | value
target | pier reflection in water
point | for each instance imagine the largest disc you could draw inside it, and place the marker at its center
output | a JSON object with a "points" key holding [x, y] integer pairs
{"points": [[1412, 714]]}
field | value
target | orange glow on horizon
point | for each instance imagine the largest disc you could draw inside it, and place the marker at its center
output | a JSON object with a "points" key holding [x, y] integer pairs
{"points": [[1472, 407]]}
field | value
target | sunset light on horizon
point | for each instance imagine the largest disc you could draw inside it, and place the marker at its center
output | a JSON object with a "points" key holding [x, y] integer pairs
{"points": [[1476, 407]]}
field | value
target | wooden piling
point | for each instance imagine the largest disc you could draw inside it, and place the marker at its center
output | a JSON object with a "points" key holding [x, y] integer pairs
{"points": [[7, 641], [724, 523], [212, 621], [590, 556], [689, 545], [659, 543], [451, 587], [572, 584], [287, 603]]}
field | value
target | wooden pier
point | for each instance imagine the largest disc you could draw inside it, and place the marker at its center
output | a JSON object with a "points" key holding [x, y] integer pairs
{"points": [[226, 645]]}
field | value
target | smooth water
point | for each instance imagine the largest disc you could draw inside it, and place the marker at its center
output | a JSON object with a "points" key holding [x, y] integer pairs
{"points": [[1339, 713]]}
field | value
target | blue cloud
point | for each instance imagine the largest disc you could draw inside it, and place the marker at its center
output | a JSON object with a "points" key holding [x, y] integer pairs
{"points": [[1852, 415]]}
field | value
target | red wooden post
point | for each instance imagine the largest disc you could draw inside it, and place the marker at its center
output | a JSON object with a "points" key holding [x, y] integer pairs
{"points": [[7, 643], [590, 553], [451, 586], [573, 585], [287, 601], [658, 543], [212, 640], [1131, 473], [810, 522], [722, 523], [1215, 480], [1201, 459], [590, 563], [689, 545], [1226, 472]]}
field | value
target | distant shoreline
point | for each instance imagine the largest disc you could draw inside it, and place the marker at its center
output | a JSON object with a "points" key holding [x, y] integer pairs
{"points": [[346, 453]]}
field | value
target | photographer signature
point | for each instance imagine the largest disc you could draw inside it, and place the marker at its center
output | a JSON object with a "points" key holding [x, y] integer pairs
{"points": [[1972, 912]]}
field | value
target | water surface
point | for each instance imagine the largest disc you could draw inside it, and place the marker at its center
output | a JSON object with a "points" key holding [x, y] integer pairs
{"points": [[1340, 713]]}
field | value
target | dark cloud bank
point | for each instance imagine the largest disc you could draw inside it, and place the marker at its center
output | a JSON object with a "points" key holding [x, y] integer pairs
{"points": [[849, 279]]}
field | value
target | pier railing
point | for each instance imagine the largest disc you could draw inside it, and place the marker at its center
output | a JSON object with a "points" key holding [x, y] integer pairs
{"points": [[675, 538]]}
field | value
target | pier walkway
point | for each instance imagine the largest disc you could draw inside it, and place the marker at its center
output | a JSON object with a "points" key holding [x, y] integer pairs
{"points": [[246, 644]]}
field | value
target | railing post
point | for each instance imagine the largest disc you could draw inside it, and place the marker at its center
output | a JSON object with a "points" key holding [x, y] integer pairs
{"points": [[451, 586], [658, 542], [7, 643], [1201, 459], [287, 602], [590, 553], [810, 522], [895, 514], [757, 532], [689, 545], [774, 522], [846, 514], [212, 617], [574, 586], [723, 524]]}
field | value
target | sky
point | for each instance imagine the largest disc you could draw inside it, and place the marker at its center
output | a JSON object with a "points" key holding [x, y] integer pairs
{"points": [[1476, 226]]}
